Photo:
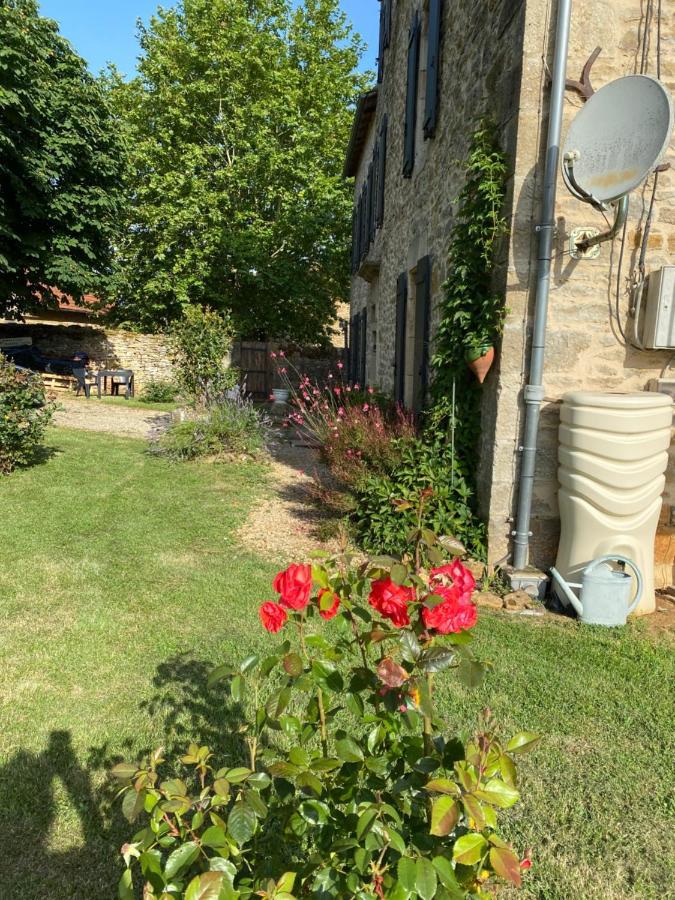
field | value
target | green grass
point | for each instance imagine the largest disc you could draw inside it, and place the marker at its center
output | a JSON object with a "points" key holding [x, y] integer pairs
{"points": [[133, 403], [122, 584]]}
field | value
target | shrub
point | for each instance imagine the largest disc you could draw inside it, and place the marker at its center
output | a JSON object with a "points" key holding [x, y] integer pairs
{"points": [[24, 416], [382, 524], [158, 391], [232, 427], [199, 345], [351, 786]]}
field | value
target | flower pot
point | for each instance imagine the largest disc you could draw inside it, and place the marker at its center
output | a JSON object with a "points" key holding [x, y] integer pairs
{"points": [[480, 361], [280, 395]]}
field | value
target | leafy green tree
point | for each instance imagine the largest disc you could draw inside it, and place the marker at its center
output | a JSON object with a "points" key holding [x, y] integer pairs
{"points": [[238, 122], [61, 165]]}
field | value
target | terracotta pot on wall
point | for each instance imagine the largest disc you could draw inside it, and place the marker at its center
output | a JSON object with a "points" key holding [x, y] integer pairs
{"points": [[480, 361]]}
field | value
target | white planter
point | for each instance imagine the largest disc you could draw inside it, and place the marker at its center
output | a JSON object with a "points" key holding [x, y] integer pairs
{"points": [[280, 395]]}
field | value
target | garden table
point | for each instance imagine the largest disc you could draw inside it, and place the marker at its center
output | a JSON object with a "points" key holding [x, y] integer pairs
{"points": [[125, 375]]}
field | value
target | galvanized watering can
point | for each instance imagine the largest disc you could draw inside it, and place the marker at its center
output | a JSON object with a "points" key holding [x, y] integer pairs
{"points": [[605, 592]]}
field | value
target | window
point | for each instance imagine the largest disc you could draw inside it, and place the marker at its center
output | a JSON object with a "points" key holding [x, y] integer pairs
{"points": [[433, 60], [422, 333], [411, 96], [385, 36], [369, 208], [400, 339]]}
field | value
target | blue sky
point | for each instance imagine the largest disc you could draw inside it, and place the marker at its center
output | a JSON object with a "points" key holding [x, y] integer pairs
{"points": [[105, 30]]}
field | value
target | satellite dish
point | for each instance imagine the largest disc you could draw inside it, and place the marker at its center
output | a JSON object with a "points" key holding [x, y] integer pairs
{"points": [[617, 138]]}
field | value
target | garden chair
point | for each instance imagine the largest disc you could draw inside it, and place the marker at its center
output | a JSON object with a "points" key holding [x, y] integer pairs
{"points": [[85, 382], [124, 377]]}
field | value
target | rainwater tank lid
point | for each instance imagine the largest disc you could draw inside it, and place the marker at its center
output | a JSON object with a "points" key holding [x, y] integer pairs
{"points": [[618, 137], [618, 399]]}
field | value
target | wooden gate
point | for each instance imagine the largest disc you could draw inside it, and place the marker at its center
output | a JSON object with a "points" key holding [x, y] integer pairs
{"points": [[257, 367]]}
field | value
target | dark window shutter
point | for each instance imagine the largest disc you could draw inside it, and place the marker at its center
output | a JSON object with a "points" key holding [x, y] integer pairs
{"points": [[353, 346], [364, 225], [399, 350], [370, 206], [411, 97], [385, 36], [422, 332], [355, 239], [363, 335], [433, 61], [381, 172]]}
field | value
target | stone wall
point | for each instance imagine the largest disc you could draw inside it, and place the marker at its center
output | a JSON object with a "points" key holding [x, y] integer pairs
{"points": [[586, 348], [495, 58], [479, 73], [107, 347]]}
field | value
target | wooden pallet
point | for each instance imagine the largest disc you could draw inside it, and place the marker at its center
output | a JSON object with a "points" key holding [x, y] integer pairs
{"points": [[58, 382]]}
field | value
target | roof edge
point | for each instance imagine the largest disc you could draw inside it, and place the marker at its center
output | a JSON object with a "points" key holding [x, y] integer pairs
{"points": [[363, 116]]}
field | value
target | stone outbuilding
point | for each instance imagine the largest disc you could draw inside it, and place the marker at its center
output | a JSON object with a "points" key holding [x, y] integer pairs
{"points": [[442, 65]]}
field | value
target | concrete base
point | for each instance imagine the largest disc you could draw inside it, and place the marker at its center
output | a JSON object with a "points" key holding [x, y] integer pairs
{"points": [[533, 581]]}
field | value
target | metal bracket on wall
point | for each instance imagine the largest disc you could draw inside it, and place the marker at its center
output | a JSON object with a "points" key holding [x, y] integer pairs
{"points": [[578, 237], [584, 86]]}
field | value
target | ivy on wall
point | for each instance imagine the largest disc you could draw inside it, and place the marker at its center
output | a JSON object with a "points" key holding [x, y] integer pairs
{"points": [[472, 313]]}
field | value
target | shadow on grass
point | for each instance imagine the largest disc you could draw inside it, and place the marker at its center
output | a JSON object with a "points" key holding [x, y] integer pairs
{"points": [[56, 847]]}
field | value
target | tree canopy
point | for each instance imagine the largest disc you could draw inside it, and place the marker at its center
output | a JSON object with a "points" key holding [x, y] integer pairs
{"points": [[237, 124], [61, 165]]}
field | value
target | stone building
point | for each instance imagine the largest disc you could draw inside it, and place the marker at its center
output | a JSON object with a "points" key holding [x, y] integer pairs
{"points": [[442, 65]]}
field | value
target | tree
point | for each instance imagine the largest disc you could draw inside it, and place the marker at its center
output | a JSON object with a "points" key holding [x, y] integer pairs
{"points": [[61, 166], [238, 123]]}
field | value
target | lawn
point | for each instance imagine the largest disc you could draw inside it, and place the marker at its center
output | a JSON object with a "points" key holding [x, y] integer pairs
{"points": [[123, 584]]}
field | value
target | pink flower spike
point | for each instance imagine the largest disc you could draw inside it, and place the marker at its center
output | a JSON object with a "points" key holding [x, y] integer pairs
{"points": [[357, 387], [340, 365], [365, 407], [273, 355], [281, 353], [283, 371], [371, 390]]}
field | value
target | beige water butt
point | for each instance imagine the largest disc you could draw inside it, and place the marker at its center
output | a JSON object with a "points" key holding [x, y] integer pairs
{"points": [[612, 455]]}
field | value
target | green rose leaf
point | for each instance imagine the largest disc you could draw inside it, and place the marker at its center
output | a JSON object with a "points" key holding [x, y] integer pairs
{"points": [[442, 786], [469, 849], [407, 873], [410, 646], [293, 665], [241, 823], [444, 816], [436, 659], [523, 742], [210, 886], [125, 888], [249, 663], [365, 822], [214, 837], [506, 864], [470, 672], [180, 859], [426, 881], [349, 751], [447, 877], [498, 793]]}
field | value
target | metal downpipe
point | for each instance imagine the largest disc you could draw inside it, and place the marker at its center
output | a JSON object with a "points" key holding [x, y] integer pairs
{"points": [[534, 391]]}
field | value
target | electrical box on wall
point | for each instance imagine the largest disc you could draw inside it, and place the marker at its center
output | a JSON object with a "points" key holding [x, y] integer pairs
{"points": [[659, 321]]}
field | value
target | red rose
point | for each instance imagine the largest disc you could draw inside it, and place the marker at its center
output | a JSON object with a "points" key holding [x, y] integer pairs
{"points": [[294, 585], [325, 611], [457, 574], [453, 614], [272, 616], [391, 600]]}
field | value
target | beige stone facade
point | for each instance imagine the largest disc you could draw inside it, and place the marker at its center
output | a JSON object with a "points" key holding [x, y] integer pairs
{"points": [[495, 57]]}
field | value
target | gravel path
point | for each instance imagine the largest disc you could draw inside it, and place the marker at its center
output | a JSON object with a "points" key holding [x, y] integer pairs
{"points": [[285, 525], [90, 415]]}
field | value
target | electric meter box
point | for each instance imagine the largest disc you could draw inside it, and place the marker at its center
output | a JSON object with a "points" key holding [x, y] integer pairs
{"points": [[659, 322]]}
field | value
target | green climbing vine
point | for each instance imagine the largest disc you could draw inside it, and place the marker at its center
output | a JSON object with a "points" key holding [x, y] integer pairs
{"points": [[472, 313]]}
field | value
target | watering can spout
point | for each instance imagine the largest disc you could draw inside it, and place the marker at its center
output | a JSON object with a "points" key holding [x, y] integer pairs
{"points": [[569, 593]]}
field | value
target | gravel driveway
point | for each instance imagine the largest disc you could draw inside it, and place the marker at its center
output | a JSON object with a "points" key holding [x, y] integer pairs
{"points": [[91, 415]]}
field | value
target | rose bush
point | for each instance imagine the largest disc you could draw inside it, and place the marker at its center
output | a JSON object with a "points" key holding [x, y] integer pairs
{"points": [[352, 786]]}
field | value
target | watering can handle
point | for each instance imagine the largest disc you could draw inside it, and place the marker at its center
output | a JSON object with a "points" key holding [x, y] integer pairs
{"points": [[628, 562]]}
